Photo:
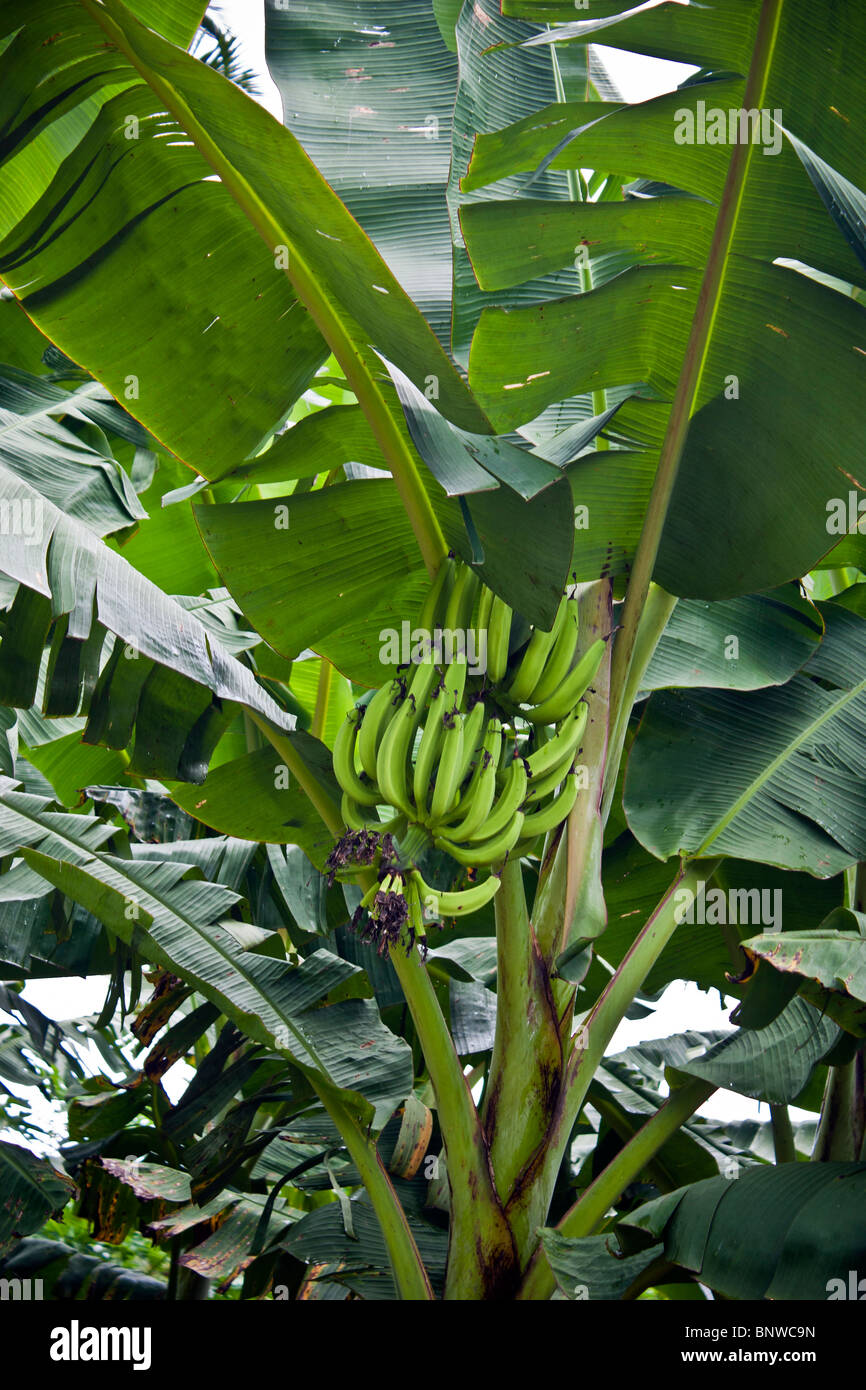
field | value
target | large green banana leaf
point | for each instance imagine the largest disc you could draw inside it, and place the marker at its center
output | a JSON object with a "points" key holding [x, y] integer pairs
{"points": [[774, 775], [756, 382], [828, 964], [368, 90], [181, 925], [129, 217], [387, 98], [777, 1232], [33, 1190]]}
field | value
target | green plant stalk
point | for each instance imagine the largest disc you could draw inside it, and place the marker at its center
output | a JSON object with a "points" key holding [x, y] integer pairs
{"points": [[323, 694], [653, 620], [327, 808], [410, 1276], [481, 1257], [358, 371], [596, 607], [528, 1206], [589, 1211], [688, 386], [783, 1134], [475, 1207], [841, 1136], [526, 1065]]}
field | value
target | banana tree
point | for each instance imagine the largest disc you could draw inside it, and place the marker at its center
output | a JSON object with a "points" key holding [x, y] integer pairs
{"points": [[526, 612]]}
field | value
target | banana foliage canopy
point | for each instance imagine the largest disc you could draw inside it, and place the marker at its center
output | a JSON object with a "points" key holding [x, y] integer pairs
{"points": [[472, 345]]}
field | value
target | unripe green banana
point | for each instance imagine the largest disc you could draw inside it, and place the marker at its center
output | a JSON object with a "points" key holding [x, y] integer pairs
{"points": [[416, 915], [498, 633], [481, 614], [428, 751], [454, 686], [508, 803], [376, 717], [448, 772], [576, 683], [550, 816], [392, 758], [343, 758], [540, 787], [363, 818], [481, 791], [473, 738], [461, 601], [458, 904], [531, 665], [561, 657], [484, 852], [436, 602], [566, 739]]}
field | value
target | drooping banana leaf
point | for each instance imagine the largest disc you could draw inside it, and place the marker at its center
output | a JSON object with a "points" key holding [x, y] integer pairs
{"points": [[178, 924], [739, 401], [828, 964], [774, 775], [777, 1232]]}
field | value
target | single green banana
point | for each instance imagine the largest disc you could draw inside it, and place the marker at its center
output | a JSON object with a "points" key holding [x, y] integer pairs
{"points": [[481, 792], [566, 739], [531, 665], [480, 854], [454, 686], [377, 715], [561, 658], [458, 904], [343, 757], [481, 612], [550, 816], [448, 772], [508, 803], [416, 914], [498, 633], [436, 602], [428, 751], [576, 683], [461, 600], [540, 787], [473, 739], [393, 756], [362, 818]]}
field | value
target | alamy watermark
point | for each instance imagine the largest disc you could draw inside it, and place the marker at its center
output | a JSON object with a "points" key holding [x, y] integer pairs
{"points": [[21, 1290], [715, 907], [411, 646], [854, 1289], [22, 516], [736, 126]]}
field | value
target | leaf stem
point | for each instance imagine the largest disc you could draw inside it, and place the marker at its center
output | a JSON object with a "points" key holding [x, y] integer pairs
{"points": [[326, 807], [411, 1278], [481, 1255], [653, 620], [526, 1065], [593, 1037], [590, 1209], [688, 386], [783, 1134]]}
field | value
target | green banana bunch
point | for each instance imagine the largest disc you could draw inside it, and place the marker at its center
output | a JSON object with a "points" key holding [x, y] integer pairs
{"points": [[476, 782]]}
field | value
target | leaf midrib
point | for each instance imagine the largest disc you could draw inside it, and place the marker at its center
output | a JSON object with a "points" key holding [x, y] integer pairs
{"points": [[772, 767]]}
